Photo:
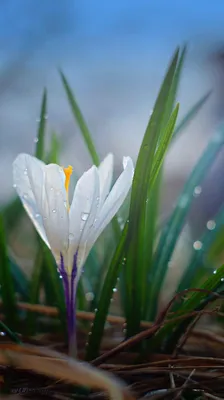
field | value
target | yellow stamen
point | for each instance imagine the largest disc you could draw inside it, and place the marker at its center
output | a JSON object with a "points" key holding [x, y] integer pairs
{"points": [[68, 172]]}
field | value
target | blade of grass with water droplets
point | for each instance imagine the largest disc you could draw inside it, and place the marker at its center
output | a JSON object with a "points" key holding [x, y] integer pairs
{"points": [[6, 282], [152, 206], [170, 233], [134, 273], [96, 333], [199, 254]]}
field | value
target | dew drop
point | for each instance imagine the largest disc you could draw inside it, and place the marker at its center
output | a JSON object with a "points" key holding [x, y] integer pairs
{"points": [[114, 289], [89, 296], [25, 195], [211, 225], [95, 310], [51, 189], [54, 211], [36, 140], [37, 215], [71, 236], [60, 276], [37, 119], [197, 191], [222, 279], [84, 216], [215, 271], [2, 333], [65, 204], [46, 117], [25, 171], [197, 245], [14, 186]]}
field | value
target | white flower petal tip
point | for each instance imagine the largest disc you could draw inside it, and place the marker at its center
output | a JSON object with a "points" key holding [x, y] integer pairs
{"points": [[128, 163]]}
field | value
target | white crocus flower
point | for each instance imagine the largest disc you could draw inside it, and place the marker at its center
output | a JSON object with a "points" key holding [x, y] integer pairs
{"points": [[70, 231]]}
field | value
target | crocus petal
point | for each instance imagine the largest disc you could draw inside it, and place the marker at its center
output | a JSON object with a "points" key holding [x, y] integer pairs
{"points": [[114, 200], [28, 178], [82, 214], [54, 209], [105, 170]]}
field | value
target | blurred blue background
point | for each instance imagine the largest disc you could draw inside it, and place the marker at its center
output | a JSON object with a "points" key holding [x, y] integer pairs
{"points": [[114, 54]]}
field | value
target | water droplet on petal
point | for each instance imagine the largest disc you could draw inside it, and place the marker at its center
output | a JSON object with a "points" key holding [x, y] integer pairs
{"points": [[71, 236], [46, 117], [114, 289], [25, 195], [14, 186], [37, 215], [51, 188], [54, 211], [25, 171], [197, 245], [36, 140], [197, 191], [84, 216], [211, 225]]}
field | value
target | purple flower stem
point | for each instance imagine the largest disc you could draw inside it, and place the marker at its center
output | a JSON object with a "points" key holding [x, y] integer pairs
{"points": [[69, 285]]}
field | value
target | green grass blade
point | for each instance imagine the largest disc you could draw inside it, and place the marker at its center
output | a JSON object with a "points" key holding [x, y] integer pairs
{"points": [[4, 328], [106, 295], [80, 120], [81, 296], [152, 205], [191, 115], [163, 147], [54, 285], [6, 282], [21, 283], [55, 149], [134, 272], [39, 153], [35, 286], [170, 233]]}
